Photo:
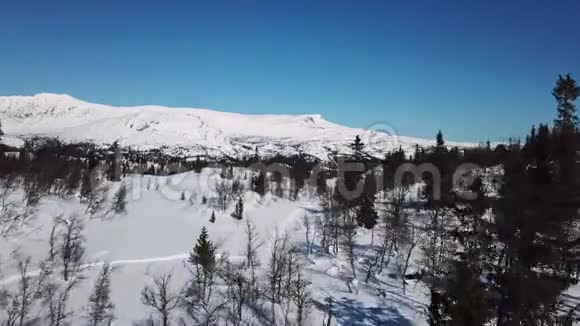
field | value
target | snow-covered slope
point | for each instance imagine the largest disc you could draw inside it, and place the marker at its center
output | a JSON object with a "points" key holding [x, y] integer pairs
{"points": [[186, 130], [159, 230]]}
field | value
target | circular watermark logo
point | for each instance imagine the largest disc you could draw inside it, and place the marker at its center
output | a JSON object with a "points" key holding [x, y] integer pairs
{"points": [[381, 135]]}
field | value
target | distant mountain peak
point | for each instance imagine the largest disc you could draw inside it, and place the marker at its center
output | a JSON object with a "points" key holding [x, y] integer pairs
{"points": [[186, 131]]}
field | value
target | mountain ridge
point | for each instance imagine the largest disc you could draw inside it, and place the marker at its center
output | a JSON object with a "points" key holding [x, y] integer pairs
{"points": [[191, 131]]}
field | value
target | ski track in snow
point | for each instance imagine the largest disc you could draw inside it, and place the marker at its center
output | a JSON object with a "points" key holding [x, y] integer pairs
{"points": [[14, 278], [281, 230]]}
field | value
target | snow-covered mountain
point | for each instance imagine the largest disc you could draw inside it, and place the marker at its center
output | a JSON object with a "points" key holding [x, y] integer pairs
{"points": [[186, 130]]}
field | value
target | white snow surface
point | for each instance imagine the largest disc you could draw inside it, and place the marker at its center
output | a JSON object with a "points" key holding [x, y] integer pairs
{"points": [[191, 131], [159, 230]]}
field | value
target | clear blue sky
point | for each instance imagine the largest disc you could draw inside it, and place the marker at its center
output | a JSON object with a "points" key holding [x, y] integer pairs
{"points": [[475, 69]]}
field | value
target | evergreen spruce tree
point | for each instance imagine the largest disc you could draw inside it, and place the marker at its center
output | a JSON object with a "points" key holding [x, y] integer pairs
{"points": [[259, 184], [278, 184], [565, 92], [357, 147], [203, 259], [256, 154], [466, 298], [100, 309], [321, 186], [367, 215], [440, 142], [565, 139], [533, 134], [351, 180], [86, 186], [435, 309], [517, 228], [73, 178], [417, 156], [120, 203], [238, 213], [203, 253], [534, 214], [212, 218], [529, 146], [114, 172], [371, 185]]}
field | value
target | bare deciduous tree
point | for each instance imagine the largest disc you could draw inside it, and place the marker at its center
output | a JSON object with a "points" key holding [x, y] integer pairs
{"points": [[320, 228], [436, 246], [228, 191], [66, 247], [328, 312], [276, 268], [348, 239], [221, 189], [301, 295], [395, 225], [238, 292], [70, 244], [55, 295], [395, 232], [334, 228], [406, 250], [252, 245], [160, 297], [288, 279], [19, 304], [236, 189], [13, 213], [307, 232], [3, 294]]}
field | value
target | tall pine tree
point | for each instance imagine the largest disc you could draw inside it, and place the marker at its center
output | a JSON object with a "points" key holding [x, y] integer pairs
{"points": [[100, 308], [238, 212], [259, 184], [565, 92], [534, 219], [203, 254], [367, 215], [357, 147], [204, 261], [439, 141]]}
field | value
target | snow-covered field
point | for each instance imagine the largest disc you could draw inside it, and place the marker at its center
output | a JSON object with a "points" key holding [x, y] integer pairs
{"points": [[159, 230], [187, 131]]}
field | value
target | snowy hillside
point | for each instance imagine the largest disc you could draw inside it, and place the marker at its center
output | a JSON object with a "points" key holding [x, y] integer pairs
{"points": [[189, 131], [159, 230]]}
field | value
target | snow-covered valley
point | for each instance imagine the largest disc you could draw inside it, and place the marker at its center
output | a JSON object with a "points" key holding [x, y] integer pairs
{"points": [[160, 227]]}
